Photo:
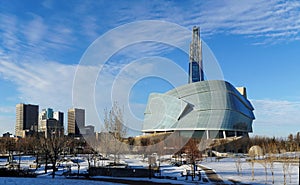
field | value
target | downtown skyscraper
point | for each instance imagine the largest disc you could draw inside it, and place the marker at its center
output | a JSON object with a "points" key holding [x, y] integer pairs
{"points": [[76, 121], [51, 123], [26, 119]]}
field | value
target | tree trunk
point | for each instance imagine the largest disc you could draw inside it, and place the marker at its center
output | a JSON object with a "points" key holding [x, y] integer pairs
{"points": [[53, 169], [37, 161], [55, 157], [46, 165]]}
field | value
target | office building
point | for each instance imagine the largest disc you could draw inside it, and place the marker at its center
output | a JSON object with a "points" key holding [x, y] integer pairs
{"points": [[52, 127], [51, 123], [76, 121], [46, 114], [26, 119], [59, 116]]}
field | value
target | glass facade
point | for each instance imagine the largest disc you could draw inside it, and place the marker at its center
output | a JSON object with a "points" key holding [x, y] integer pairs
{"points": [[194, 66], [205, 105]]}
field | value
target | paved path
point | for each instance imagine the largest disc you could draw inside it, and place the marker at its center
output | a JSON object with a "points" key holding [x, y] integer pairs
{"points": [[212, 176], [128, 181]]}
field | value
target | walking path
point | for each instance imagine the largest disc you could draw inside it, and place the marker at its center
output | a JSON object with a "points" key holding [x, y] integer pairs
{"points": [[129, 181], [212, 176]]}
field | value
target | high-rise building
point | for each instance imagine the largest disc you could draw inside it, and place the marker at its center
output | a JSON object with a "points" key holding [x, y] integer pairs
{"points": [[46, 114], [59, 116], [51, 127], [49, 113], [26, 118], [76, 121], [51, 122]]}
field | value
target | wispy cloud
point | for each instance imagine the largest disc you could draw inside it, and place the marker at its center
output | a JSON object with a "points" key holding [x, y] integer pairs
{"points": [[8, 26], [50, 84], [45, 83], [277, 113], [34, 36], [7, 110], [265, 20], [35, 31], [270, 21]]}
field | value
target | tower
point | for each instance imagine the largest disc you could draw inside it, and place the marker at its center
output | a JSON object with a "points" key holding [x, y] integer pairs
{"points": [[195, 64], [59, 116], [26, 118], [51, 123], [76, 121]]}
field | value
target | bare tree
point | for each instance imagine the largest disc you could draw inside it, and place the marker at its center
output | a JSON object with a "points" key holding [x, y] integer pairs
{"points": [[114, 125], [271, 149], [238, 165], [192, 150], [52, 146], [284, 169], [145, 142], [131, 142]]}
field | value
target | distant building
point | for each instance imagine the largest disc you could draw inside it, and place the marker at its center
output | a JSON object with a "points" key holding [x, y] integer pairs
{"points": [[59, 116], [8, 135], [51, 122], [26, 119], [76, 121], [89, 130], [52, 127], [46, 114]]}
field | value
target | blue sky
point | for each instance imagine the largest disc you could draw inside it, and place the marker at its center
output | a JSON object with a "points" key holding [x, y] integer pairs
{"points": [[256, 44]]}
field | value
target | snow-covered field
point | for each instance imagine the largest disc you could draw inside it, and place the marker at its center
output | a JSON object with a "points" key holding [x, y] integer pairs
{"points": [[48, 181], [226, 168]]}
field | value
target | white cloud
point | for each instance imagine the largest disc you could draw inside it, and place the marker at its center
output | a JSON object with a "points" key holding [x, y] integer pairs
{"points": [[50, 84], [44, 83], [264, 19], [35, 31], [7, 109], [8, 26], [47, 4], [273, 114], [7, 124]]}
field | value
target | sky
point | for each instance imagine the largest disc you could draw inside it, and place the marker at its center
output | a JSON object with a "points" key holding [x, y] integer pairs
{"points": [[64, 54]]}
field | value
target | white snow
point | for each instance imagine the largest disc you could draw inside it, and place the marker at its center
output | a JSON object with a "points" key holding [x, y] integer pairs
{"points": [[226, 168], [48, 181]]}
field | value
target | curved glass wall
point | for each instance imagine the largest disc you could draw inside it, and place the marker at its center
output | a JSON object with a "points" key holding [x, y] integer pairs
{"points": [[204, 105]]}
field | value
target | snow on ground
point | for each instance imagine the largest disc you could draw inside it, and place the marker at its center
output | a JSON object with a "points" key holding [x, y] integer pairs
{"points": [[48, 181], [227, 169]]}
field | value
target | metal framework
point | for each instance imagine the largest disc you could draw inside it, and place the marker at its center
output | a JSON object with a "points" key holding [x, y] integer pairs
{"points": [[195, 64]]}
